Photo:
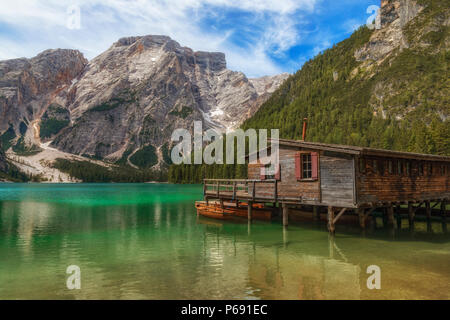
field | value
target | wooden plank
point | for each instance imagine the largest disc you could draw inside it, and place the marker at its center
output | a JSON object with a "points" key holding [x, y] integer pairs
{"points": [[402, 187], [253, 190], [316, 213], [410, 213], [336, 179], [275, 195], [330, 217], [369, 212], [285, 214], [443, 215], [390, 215], [362, 218], [339, 215]]}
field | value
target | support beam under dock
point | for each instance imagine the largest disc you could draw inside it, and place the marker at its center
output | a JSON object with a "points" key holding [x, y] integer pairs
{"points": [[331, 227], [249, 210], [285, 214]]}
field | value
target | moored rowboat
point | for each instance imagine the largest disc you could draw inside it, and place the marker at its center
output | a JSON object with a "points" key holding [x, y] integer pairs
{"points": [[230, 210]]}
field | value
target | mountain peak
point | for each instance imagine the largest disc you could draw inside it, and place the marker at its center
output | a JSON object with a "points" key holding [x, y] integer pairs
{"points": [[214, 61], [148, 39]]}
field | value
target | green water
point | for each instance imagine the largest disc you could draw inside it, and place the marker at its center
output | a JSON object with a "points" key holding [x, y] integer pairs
{"points": [[145, 241]]}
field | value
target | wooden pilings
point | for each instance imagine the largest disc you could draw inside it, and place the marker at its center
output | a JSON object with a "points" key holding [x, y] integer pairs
{"points": [[392, 212], [285, 214], [362, 218], [331, 227], [410, 214], [428, 210], [316, 213], [399, 217], [443, 215], [390, 216]]}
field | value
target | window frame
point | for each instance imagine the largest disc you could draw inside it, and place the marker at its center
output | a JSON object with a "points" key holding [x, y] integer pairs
{"points": [[375, 169], [306, 169], [420, 168], [390, 167], [270, 176], [313, 178], [400, 168], [362, 166]]}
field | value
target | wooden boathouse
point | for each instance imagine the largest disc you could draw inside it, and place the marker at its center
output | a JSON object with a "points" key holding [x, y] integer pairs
{"points": [[337, 180]]}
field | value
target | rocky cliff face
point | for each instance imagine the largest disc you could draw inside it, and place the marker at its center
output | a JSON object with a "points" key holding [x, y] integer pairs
{"points": [[28, 86], [416, 34], [127, 99], [3, 164], [394, 15], [137, 92]]}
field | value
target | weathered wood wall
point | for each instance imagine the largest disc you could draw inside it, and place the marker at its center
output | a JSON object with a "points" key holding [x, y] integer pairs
{"points": [[337, 179], [341, 183], [289, 188], [393, 187]]}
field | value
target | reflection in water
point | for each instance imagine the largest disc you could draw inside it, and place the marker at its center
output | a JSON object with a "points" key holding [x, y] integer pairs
{"points": [[145, 241]]}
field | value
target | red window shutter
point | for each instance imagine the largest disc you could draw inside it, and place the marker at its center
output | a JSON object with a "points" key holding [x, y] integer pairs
{"points": [[262, 173], [298, 166], [314, 165], [278, 173]]}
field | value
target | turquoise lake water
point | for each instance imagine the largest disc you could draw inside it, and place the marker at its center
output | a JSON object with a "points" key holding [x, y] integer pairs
{"points": [[145, 241]]}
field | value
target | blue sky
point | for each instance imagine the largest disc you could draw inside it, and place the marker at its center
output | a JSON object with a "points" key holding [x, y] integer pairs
{"points": [[259, 37]]}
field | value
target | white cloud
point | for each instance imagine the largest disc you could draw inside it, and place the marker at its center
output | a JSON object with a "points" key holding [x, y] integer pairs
{"points": [[42, 24]]}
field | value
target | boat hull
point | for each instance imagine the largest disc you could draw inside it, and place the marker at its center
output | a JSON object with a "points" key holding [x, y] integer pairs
{"points": [[230, 210]]}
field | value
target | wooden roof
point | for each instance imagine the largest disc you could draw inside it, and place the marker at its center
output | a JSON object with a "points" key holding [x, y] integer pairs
{"points": [[354, 150]]}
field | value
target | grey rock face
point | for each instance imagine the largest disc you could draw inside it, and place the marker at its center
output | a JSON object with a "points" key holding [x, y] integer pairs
{"points": [[3, 164], [403, 10], [133, 95], [143, 88], [28, 86], [394, 15]]}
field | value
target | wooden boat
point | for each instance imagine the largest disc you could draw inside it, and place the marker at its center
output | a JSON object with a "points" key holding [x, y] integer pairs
{"points": [[229, 210]]}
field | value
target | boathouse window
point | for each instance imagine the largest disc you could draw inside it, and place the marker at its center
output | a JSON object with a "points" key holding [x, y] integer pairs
{"points": [[408, 168], [306, 165], [390, 167], [420, 169], [399, 167], [430, 169], [269, 173], [381, 167], [375, 166], [362, 165]]}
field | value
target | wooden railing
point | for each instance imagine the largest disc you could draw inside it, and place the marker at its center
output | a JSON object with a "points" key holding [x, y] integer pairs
{"points": [[245, 189]]}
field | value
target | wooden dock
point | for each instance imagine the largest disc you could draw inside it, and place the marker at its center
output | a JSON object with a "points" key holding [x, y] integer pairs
{"points": [[228, 198]]}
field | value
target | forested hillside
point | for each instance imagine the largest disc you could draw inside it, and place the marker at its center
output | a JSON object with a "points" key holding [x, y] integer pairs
{"points": [[387, 88], [400, 103]]}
